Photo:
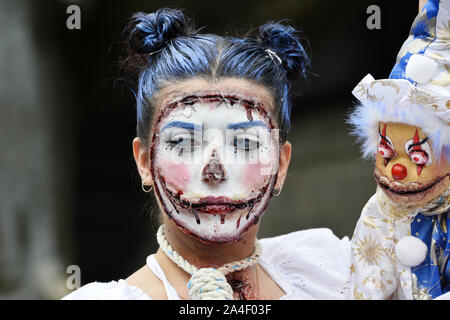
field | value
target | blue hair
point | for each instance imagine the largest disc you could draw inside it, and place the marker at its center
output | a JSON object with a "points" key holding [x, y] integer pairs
{"points": [[164, 46]]}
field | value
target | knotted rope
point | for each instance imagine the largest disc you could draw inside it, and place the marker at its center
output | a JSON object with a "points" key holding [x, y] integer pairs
{"points": [[207, 283]]}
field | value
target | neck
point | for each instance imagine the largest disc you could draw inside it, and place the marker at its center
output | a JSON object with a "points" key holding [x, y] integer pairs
{"points": [[247, 283], [205, 255]]}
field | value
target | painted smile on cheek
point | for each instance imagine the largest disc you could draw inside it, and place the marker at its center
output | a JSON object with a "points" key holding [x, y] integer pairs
{"points": [[214, 163]]}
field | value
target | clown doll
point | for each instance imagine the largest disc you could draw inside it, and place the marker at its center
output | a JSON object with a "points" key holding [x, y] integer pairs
{"points": [[400, 247]]}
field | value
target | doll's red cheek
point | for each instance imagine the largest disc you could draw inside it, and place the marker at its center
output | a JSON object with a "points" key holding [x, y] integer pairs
{"points": [[175, 174]]}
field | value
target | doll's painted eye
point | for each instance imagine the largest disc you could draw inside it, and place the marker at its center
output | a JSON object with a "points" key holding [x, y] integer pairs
{"points": [[386, 151], [419, 151], [385, 147], [419, 157]]}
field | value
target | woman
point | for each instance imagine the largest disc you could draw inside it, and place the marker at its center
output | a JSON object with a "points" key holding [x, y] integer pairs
{"points": [[212, 119]]}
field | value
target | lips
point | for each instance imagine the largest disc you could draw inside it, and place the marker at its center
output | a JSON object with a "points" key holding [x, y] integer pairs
{"points": [[407, 192], [213, 219], [212, 205], [404, 188]]}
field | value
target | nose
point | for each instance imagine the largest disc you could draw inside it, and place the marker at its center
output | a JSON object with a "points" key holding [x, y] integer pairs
{"points": [[399, 172], [214, 172]]}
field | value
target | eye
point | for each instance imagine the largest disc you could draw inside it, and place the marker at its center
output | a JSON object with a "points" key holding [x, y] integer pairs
{"points": [[386, 151], [419, 157], [385, 147], [184, 141], [419, 152], [245, 142]]}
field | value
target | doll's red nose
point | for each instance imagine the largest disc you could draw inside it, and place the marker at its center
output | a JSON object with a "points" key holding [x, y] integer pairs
{"points": [[399, 172]]}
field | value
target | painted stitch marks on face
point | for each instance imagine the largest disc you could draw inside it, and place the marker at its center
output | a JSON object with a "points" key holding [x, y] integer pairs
{"points": [[219, 99], [209, 193], [207, 213]]}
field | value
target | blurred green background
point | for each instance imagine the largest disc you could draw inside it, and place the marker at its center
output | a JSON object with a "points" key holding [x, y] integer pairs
{"points": [[69, 189]]}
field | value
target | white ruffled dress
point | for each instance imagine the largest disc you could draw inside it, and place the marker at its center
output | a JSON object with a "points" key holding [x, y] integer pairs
{"points": [[310, 264]]}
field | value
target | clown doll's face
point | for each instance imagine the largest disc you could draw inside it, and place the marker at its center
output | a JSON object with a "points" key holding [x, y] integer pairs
{"points": [[214, 162], [406, 167]]}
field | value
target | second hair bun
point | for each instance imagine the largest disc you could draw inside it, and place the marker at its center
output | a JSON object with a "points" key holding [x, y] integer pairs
{"points": [[284, 41]]}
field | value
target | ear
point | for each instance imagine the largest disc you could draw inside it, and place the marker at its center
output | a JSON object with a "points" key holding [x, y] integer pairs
{"points": [[142, 159], [285, 158]]}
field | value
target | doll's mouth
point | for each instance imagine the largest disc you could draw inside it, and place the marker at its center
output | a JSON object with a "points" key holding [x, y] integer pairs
{"points": [[411, 191]]}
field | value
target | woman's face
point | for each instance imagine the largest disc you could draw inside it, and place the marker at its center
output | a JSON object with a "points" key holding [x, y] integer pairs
{"points": [[214, 157]]}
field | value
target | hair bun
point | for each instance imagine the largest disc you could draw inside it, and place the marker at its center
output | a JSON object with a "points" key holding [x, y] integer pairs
{"points": [[285, 42], [151, 32]]}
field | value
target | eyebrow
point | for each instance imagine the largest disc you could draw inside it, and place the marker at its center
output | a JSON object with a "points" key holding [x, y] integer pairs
{"points": [[183, 125], [418, 143], [247, 124], [383, 137]]}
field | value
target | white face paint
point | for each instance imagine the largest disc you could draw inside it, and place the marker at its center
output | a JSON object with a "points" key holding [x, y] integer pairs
{"points": [[214, 165]]}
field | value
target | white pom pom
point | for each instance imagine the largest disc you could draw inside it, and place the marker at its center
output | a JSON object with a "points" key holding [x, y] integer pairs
{"points": [[421, 68], [411, 251], [209, 284]]}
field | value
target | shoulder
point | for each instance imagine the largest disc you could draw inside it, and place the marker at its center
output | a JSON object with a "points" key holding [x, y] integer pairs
{"points": [[320, 241], [148, 282], [114, 290], [315, 262]]}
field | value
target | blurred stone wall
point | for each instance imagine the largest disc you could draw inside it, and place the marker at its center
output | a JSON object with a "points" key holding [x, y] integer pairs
{"points": [[32, 178]]}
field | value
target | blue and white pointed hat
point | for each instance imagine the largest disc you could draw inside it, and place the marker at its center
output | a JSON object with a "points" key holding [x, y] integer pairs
{"points": [[417, 91]]}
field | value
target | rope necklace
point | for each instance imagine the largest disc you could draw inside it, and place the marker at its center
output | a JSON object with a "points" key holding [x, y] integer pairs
{"points": [[207, 283]]}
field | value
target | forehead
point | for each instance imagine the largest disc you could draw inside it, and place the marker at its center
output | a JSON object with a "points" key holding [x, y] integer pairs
{"points": [[215, 115], [403, 131], [244, 89]]}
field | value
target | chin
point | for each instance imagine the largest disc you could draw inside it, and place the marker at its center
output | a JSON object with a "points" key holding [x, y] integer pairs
{"points": [[213, 219], [411, 193]]}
